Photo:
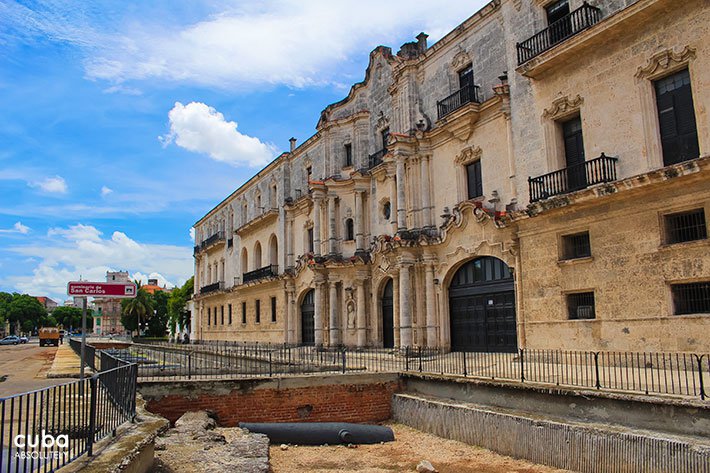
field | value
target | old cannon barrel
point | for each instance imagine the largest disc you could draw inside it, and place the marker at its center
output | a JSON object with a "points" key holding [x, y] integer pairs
{"points": [[319, 433]]}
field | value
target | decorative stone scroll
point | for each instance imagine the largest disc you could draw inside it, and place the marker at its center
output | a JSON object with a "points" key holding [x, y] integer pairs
{"points": [[468, 155], [461, 59], [664, 61], [563, 106]]}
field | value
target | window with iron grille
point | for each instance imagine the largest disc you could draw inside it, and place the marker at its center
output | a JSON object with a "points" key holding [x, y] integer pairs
{"points": [[229, 311], [209, 316], [691, 298], [221, 315], [686, 226], [214, 315], [580, 305], [349, 230], [273, 309], [257, 311], [576, 246], [244, 312], [348, 154]]}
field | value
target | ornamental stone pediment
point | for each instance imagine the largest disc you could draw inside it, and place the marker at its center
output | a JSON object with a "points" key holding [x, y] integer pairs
{"points": [[664, 61], [563, 106]]}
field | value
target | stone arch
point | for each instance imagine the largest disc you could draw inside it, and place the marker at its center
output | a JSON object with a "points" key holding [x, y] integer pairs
{"points": [[245, 260], [273, 250], [257, 255]]}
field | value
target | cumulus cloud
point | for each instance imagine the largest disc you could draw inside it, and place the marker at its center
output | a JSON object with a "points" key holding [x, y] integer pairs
{"points": [[82, 250], [143, 279], [105, 191], [54, 185], [192, 233], [17, 228], [200, 128]]}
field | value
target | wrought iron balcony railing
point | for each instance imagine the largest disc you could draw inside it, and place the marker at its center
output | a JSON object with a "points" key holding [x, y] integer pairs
{"points": [[218, 286], [573, 178], [219, 236], [375, 159], [466, 94], [566, 27], [261, 273]]}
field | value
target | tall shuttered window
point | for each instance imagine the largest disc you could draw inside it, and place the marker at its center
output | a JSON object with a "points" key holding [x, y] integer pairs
{"points": [[257, 311], [273, 309], [229, 310], [474, 182], [244, 312], [676, 118]]}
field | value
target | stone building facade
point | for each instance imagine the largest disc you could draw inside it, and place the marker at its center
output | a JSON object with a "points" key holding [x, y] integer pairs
{"points": [[107, 312], [539, 177]]}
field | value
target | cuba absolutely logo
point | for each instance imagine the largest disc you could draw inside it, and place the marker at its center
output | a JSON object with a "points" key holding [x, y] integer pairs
{"points": [[45, 446]]}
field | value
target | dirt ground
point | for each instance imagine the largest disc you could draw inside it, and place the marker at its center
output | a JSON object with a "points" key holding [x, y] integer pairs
{"points": [[410, 447]]}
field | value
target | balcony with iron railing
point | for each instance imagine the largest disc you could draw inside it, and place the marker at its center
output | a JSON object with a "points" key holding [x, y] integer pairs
{"points": [[465, 95], [266, 272], [573, 178], [216, 238], [559, 31], [214, 287], [375, 159]]}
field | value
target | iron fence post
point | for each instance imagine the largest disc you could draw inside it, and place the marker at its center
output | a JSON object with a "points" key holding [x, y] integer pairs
{"points": [[344, 360], [270, 367], [465, 370], [92, 416], [701, 383], [598, 383], [420, 359], [406, 358], [522, 365], [189, 366]]}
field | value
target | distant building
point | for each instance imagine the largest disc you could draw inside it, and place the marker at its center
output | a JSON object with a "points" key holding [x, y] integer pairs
{"points": [[107, 316], [152, 287], [47, 303]]}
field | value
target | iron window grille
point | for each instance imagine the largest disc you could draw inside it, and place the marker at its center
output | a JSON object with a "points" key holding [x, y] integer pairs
{"points": [[692, 298], [273, 309], [348, 155], [221, 315], [209, 316], [257, 311], [576, 246], [244, 312], [580, 306], [229, 310], [686, 226]]}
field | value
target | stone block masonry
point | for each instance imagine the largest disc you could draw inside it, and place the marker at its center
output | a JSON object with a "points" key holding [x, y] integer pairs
{"points": [[347, 398]]}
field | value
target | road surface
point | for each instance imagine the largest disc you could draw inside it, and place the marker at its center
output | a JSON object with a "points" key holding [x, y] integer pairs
{"points": [[24, 368]]}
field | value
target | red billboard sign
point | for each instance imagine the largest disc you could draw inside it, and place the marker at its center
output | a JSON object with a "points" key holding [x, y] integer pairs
{"points": [[101, 289]]}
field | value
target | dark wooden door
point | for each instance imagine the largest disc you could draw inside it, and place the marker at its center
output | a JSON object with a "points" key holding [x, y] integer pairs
{"points": [[388, 316], [308, 326], [676, 118], [482, 307], [574, 154]]}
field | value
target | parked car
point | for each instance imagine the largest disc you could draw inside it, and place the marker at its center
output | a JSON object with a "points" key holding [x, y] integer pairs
{"points": [[10, 340], [24, 339]]}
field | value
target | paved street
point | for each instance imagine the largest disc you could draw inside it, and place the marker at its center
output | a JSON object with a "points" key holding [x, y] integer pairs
{"points": [[24, 368]]}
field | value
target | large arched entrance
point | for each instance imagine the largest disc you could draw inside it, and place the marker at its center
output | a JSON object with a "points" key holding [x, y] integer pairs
{"points": [[387, 316], [482, 307], [308, 325]]}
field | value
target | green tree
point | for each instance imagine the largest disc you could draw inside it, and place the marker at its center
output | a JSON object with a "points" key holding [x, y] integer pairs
{"points": [[27, 312], [157, 324], [70, 317], [177, 305], [136, 310]]}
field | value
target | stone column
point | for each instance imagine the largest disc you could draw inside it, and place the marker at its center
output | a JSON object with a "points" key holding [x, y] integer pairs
{"points": [[289, 236], [431, 327], [405, 306], [395, 308], [332, 240], [359, 218], [426, 193], [401, 203], [333, 305], [316, 224], [360, 316], [318, 313]]}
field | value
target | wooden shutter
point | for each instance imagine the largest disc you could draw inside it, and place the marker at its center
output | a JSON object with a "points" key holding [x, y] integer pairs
{"points": [[676, 118]]}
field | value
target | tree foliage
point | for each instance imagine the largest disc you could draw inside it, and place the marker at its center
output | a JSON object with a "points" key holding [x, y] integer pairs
{"points": [[136, 310], [24, 312], [70, 317], [177, 305]]}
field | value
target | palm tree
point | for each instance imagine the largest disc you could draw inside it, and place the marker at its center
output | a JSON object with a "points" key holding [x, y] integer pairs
{"points": [[136, 309]]}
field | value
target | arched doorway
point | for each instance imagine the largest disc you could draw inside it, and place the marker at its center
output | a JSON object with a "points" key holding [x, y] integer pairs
{"points": [[482, 307], [308, 325], [387, 316]]}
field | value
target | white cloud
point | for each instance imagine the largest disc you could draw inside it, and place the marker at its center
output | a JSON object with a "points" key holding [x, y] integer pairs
{"points": [[228, 43], [200, 128], [143, 278], [105, 191], [17, 228], [121, 89], [192, 233], [54, 185], [81, 250]]}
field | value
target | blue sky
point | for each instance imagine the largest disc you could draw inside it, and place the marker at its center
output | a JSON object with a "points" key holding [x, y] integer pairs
{"points": [[123, 122]]}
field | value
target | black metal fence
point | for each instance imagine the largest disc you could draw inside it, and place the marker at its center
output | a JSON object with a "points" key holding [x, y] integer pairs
{"points": [[680, 374], [46, 429], [567, 26], [90, 355], [573, 178], [261, 273]]}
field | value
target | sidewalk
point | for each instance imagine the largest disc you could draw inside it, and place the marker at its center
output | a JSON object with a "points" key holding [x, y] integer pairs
{"points": [[67, 364]]}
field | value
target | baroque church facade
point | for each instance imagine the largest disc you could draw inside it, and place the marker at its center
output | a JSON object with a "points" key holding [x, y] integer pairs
{"points": [[538, 178]]}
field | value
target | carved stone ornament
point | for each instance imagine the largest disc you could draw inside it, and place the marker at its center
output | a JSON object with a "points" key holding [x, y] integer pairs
{"points": [[665, 60], [461, 60], [468, 155], [563, 106], [382, 122]]}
